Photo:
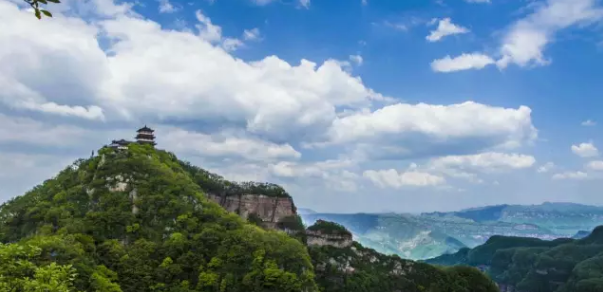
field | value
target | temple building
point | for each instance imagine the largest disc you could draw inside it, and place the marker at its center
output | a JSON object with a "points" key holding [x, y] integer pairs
{"points": [[145, 136], [120, 144]]}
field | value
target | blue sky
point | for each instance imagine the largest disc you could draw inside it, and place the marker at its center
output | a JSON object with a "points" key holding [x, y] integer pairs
{"points": [[366, 106]]}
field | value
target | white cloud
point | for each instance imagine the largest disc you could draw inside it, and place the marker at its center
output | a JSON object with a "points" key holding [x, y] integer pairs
{"points": [[486, 161], [462, 62], [224, 145], [445, 28], [595, 165], [356, 59], [394, 179], [251, 112], [421, 126], [166, 7], [585, 150], [468, 167], [333, 173], [32, 132], [477, 1], [251, 34], [546, 167], [526, 40], [576, 175], [589, 123]]}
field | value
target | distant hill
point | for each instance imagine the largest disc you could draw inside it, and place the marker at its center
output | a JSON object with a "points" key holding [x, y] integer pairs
{"points": [[431, 234], [530, 264], [581, 234]]}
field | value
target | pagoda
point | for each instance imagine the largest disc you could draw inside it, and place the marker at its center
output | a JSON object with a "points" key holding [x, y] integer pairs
{"points": [[145, 136]]}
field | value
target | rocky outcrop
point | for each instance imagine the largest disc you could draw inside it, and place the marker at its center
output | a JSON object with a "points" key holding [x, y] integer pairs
{"points": [[270, 210], [319, 238]]}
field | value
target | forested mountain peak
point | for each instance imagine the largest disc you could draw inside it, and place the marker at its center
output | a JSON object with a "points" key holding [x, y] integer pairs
{"points": [[137, 220]]}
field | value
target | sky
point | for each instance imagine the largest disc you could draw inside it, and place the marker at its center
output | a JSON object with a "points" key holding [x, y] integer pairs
{"points": [[352, 106]]}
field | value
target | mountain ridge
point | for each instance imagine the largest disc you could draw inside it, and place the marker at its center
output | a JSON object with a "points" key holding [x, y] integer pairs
{"points": [[138, 219], [401, 233]]}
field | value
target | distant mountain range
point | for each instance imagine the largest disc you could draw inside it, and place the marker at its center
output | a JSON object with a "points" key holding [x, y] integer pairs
{"points": [[428, 235]]}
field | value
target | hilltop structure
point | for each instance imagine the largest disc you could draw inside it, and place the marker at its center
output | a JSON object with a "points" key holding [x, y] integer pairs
{"points": [[145, 135]]}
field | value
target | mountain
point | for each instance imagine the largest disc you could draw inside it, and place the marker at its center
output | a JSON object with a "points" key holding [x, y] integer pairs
{"points": [[563, 219], [135, 220], [581, 234], [429, 235], [343, 265], [533, 265], [138, 219]]}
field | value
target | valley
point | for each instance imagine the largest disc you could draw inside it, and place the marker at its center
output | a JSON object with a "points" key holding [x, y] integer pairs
{"points": [[428, 235]]}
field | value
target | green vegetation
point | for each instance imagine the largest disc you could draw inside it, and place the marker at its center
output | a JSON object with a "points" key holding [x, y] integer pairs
{"points": [[38, 12], [330, 228], [562, 265], [84, 230], [137, 220], [216, 184], [357, 268]]}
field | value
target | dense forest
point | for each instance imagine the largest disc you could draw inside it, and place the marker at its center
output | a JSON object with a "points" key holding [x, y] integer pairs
{"points": [[534, 265], [356, 268], [138, 220]]}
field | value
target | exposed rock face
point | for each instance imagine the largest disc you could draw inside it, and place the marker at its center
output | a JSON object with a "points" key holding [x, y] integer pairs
{"points": [[270, 209], [318, 238]]}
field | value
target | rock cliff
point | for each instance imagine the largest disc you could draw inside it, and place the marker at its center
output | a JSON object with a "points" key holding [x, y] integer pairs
{"points": [[318, 238], [271, 210], [324, 233]]}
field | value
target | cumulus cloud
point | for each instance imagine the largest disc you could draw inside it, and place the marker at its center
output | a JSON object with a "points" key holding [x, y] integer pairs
{"points": [[469, 167], [224, 145], [575, 175], [547, 167], [209, 104], [356, 59], [165, 6], [487, 161], [526, 40], [31, 132], [585, 150], [462, 62], [445, 28], [407, 129], [595, 165], [333, 173], [589, 123], [393, 179]]}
